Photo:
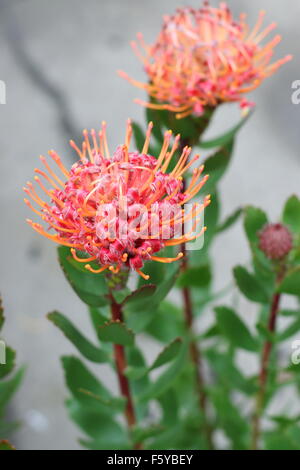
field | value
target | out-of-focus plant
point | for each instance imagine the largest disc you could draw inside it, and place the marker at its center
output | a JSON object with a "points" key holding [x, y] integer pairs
{"points": [[8, 386], [274, 275]]}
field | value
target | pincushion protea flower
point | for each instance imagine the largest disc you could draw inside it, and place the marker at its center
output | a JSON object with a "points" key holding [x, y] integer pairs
{"points": [[126, 191], [204, 57]]}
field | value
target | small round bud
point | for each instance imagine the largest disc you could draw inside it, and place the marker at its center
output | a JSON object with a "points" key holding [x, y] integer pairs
{"points": [[275, 241]]}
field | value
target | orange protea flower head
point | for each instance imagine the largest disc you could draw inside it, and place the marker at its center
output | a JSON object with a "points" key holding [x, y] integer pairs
{"points": [[204, 57], [120, 209]]}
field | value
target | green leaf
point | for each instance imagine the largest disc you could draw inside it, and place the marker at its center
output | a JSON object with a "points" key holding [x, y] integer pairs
{"points": [[6, 445], [216, 165], [167, 354], [285, 312], [254, 221], [106, 433], [139, 136], [265, 332], [229, 418], [98, 318], [282, 439], [84, 346], [116, 404], [121, 294], [167, 378], [211, 218], [291, 282], [140, 434], [211, 332], [291, 330], [190, 128], [234, 329], [116, 332], [167, 323], [91, 288], [140, 314], [9, 365], [169, 405], [79, 378], [291, 213], [226, 137], [104, 443], [9, 387], [138, 385], [227, 373], [154, 116], [136, 372], [230, 220], [141, 293], [249, 285], [195, 277]]}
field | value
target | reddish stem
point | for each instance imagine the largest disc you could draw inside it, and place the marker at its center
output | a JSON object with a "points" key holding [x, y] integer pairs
{"points": [[195, 352], [194, 349], [263, 375], [121, 364]]}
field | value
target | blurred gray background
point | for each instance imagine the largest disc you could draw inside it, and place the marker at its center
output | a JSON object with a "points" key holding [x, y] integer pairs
{"points": [[59, 61]]}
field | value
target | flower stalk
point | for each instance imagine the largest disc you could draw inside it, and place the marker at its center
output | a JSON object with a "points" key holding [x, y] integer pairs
{"points": [[121, 364], [263, 374], [195, 352]]}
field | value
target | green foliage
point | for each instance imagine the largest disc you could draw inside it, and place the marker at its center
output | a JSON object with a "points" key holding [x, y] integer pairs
{"points": [[234, 329], [291, 214], [170, 380], [166, 355], [84, 346], [167, 323], [116, 332], [216, 165], [195, 277], [190, 128], [140, 313], [90, 288], [225, 138], [9, 384], [230, 220], [166, 379], [254, 221], [249, 285], [291, 282]]}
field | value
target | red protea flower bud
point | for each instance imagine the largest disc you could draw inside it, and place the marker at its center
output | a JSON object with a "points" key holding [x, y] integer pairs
{"points": [[275, 241], [121, 208]]}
